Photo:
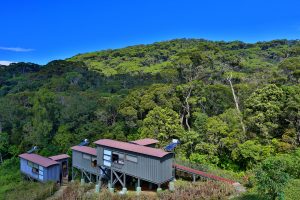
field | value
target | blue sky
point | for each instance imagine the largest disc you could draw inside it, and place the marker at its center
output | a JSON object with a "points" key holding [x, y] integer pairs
{"points": [[43, 30]]}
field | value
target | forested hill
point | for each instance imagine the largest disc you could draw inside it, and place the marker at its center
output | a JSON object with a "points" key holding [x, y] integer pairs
{"points": [[231, 104]]}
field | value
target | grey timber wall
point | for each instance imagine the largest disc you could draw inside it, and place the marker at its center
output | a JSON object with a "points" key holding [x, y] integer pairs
{"points": [[82, 163], [149, 168]]}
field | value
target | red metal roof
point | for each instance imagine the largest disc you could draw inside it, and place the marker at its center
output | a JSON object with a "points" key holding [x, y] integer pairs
{"points": [[40, 160], [145, 142], [59, 157], [132, 147], [84, 149]]}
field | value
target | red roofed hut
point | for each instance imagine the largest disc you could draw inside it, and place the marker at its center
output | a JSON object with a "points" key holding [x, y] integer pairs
{"points": [[39, 168]]}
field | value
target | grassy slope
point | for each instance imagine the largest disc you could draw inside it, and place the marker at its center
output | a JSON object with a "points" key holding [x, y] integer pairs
{"points": [[13, 187]]}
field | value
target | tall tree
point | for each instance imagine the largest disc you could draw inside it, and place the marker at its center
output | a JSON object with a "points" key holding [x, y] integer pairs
{"points": [[162, 124]]}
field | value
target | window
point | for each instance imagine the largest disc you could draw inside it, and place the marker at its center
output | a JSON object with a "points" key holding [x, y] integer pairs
{"points": [[30, 164], [41, 173], [94, 162], [35, 170], [86, 156], [107, 152], [131, 158], [106, 163], [107, 158], [118, 158]]}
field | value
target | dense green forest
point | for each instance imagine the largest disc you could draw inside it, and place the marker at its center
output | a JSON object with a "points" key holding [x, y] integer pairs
{"points": [[233, 105]]}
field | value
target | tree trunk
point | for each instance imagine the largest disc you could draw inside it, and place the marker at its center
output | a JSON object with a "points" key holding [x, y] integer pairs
{"points": [[181, 118], [236, 103], [187, 108], [185, 115], [298, 130]]}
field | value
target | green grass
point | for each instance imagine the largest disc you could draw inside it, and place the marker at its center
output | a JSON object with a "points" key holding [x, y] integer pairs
{"points": [[291, 192], [13, 187], [9, 176]]}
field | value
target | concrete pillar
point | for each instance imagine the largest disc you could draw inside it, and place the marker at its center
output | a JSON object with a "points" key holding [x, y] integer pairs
{"points": [[124, 190], [97, 188], [138, 190], [82, 182], [194, 178], [171, 186], [111, 190], [159, 189]]}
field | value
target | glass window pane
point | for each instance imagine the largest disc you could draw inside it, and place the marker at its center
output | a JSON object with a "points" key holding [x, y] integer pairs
{"points": [[107, 152], [86, 156], [30, 164], [107, 163], [131, 158], [108, 158]]}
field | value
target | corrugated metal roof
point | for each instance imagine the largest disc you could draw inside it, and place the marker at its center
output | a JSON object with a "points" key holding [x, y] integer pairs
{"points": [[132, 147], [40, 160], [84, 149], [59, 157], [145, 142]]}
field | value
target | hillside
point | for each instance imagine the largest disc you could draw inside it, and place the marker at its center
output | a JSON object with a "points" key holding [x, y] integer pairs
{"points": [[231, 104]]}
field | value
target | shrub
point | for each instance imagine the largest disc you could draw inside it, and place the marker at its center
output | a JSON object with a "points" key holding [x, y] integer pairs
{"points": [[272, 177]]}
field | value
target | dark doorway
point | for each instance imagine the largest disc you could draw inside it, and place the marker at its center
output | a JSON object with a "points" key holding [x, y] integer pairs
{"points": [[64, 167]]}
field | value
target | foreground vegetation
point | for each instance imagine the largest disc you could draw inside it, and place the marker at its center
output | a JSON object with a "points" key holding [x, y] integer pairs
{"points": [[13, 187], [231, 104], [184, 190]]}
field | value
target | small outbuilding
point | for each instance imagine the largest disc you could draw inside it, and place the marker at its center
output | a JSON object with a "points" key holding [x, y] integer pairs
{"points": [[39, 168], [62, 159]]}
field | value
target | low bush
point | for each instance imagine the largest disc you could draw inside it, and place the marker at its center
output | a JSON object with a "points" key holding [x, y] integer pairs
{"points": [[184, 191]]}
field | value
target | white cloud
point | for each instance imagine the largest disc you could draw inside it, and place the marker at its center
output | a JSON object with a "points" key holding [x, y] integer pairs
{"points": [[16, 49], [5, 62]]}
